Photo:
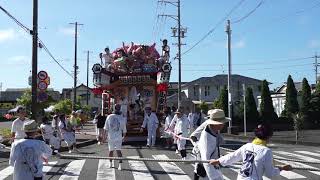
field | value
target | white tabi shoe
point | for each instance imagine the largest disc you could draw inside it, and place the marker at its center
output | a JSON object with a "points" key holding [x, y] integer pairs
{"points": [[119, 167]]}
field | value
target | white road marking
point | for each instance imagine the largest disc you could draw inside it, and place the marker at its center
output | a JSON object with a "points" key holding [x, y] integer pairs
{"points": [[104, 171], [172, 169], [73, 170], [139, 170], [309, 153], [297, 164], [6, 172], [47, 167], [9, 170], [302, 157]]}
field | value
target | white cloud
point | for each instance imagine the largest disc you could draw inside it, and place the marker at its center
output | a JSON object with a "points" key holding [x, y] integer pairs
{"points": [[19, 60], [239, 44], [67, 31], [7, 35], [314, 43]]}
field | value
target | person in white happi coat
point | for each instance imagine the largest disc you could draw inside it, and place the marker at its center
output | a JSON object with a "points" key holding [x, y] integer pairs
{"points": [[167, 122], [115, 126], [17, 125], [68, 133], [55, 125], [150, 122], [27, 155], [181, 126], [256, 157], [47, 134], [206, 139]]}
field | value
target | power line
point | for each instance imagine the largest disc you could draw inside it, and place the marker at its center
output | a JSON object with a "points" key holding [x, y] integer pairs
{"points": [[49, 53], [215, 27], [16, 21], [251, 69], [30, 32], [247, 15], [255, 63]]}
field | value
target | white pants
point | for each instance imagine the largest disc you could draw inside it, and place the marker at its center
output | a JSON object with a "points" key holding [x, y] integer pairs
{"points": [[152, 134], [114, 145], [181, 143]]}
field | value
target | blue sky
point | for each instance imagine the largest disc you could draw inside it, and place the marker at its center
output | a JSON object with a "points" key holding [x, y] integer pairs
{"points": [[269, 44]]}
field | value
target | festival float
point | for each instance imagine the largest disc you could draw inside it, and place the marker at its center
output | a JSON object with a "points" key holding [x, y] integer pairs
{"points": [[134, 76]]}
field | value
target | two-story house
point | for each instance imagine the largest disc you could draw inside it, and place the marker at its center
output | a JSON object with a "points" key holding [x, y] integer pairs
{"points": [[207, 89], [279, 96]]}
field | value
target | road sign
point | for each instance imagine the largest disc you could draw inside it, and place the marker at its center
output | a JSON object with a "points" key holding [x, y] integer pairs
{"points": [[97, 68], [47, 80], [42, 96], [42, 85], [42, 75]]}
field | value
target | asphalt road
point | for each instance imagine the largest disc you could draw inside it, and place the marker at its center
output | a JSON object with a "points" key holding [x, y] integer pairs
{"points": [[88, 169]]}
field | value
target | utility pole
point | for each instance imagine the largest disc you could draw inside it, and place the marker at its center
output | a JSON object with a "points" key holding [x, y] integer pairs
{"points": [[34, 103], [88, 57], [178, 32], [316, 66], [244, 110], [76, 24], [228, 30]]}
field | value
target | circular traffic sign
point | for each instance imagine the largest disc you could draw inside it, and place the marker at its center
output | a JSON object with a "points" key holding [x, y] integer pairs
{"points": [[42, 85], [42, 75], [97, 68]]}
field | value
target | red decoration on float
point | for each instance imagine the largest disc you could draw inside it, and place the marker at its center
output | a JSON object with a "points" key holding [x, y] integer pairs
{"points": [[162, 87]]}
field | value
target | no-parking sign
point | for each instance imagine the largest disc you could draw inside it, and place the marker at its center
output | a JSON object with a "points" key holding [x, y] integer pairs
{"points": [[42, 75]]}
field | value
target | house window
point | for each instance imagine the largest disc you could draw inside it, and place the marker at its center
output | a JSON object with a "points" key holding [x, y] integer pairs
{"points": [[194, 91], [206, 90]]}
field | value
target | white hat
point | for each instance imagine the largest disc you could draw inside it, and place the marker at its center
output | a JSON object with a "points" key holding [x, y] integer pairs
{"points": [[30, 126], [216, 116]]}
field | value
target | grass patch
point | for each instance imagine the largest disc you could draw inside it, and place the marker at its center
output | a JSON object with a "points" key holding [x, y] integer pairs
{"points": [[5, 132]]}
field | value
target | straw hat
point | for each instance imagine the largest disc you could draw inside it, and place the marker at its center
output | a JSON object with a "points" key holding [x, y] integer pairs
{"points": [[30, 126], [216, 116]]}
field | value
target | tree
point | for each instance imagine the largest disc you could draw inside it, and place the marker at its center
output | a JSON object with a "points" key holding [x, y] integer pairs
{"points": [[222, 101], [64, 106], [305, 99], [315, 106], [252, 113], [291, 105], [25, 100], [204, 107], [266, 107]]}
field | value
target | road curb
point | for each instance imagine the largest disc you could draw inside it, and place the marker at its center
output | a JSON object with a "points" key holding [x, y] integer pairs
{"points": [[250, 138]]}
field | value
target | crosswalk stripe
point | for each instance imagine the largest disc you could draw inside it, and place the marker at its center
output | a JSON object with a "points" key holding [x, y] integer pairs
{"points": [[172, 169], [139, 170], [9, 170], [224, 177], [306, 158], [104, 172], [47, 167], [309, 153], [6, 172], [297, 164], [72, 171]]}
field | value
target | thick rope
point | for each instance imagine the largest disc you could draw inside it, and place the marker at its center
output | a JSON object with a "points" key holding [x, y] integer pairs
{"points": [[64, 156], [283, 159]]}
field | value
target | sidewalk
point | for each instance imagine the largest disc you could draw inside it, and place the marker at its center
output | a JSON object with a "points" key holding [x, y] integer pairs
{"points": [[306, 137]]}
